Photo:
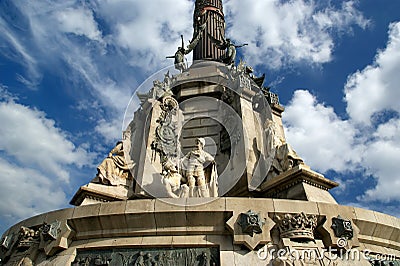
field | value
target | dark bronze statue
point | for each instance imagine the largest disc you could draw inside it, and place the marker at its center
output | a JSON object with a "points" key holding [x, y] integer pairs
{"points": [[229, 46], [181, 52]]}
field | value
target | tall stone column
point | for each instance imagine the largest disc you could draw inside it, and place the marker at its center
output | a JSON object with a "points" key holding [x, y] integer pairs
{"points": [[211, 13]]}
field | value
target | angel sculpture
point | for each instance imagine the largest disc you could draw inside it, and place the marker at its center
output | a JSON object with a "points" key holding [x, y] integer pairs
{"points": [[181, 52], [230, 47]]}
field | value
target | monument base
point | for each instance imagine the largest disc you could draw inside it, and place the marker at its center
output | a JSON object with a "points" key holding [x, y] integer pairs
{"points": [[226, 231]]}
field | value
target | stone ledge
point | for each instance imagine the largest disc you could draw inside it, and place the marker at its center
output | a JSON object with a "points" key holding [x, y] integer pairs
{"points": [[96, 193], [137, 218]]}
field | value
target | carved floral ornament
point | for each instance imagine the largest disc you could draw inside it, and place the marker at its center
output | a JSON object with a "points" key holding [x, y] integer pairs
{"points": [[251, 223], [342, 227]]}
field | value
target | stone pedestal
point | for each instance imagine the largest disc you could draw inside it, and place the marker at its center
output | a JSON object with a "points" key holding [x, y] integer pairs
{"points": [[96, 193], [299, 183]]}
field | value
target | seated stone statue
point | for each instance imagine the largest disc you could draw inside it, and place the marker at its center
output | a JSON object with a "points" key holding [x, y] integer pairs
{"points": [[114, 171], [172, 181], [284, 156], [285, 159], [195, 167]]}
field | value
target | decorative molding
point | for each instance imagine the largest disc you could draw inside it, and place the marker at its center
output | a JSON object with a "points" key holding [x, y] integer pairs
{"points": [[300, 174], [27, 237], [7, 241]]}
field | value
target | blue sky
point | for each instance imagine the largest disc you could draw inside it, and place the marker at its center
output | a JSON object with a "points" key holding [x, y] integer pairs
{"points": [[68, 69]]}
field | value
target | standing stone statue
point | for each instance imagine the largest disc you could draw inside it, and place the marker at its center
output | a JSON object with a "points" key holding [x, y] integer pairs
{"points": [[194, 165]]}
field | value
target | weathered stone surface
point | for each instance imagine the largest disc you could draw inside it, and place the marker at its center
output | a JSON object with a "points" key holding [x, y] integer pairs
{"points": [[155, 223], [260, 206], [330, 211]]}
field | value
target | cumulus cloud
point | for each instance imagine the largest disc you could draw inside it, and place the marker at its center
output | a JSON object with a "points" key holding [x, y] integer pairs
{"points": [[320, 136], [78, 21], [109, 130], [150, 40], [381, 158], [282, 33], [376, 87], [361, 144]]}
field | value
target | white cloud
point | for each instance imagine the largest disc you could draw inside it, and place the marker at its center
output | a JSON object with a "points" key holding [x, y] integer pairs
{"points": [[35, 141], [327, 142], [79, 21], [361, 143], [26, 192], [324, 140], [36, 161], [109, 130], [382, 161], [151, 40], [376, 87], [20, 54], [283, 33]]}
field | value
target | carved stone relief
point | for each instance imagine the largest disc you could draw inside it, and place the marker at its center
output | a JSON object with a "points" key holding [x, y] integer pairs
{"points": [[166, 139], [296, 226], [251, 223], [23, 248], [51, 231], [149, 256], [342, 227]]}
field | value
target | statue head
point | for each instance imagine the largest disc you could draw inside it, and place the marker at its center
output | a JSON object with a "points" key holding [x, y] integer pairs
{"points": [[201, 142]]}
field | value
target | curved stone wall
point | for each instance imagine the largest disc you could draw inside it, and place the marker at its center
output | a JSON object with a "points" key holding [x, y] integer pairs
{"points": [[234, 228]]}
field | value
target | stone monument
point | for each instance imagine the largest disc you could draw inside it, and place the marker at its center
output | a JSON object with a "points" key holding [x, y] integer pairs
{"points": [[203, 175]]}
